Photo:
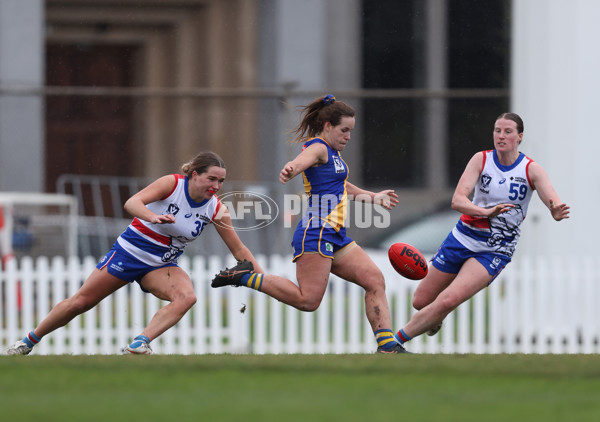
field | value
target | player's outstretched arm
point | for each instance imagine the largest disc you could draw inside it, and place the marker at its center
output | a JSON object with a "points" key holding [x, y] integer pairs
{"points": [[314, 154], [541, 182], [386, 198], [238, 249]]}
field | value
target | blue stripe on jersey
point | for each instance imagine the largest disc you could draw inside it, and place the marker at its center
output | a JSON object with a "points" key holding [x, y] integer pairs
{"points": [[474, 234], [142, 243]]}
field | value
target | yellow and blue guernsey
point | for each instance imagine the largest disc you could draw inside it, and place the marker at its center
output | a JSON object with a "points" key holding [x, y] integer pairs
{"points": [[322, 229]]}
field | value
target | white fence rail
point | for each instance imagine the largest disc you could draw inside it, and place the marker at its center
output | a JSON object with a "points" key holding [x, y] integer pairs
{"points": [[535, 306]]}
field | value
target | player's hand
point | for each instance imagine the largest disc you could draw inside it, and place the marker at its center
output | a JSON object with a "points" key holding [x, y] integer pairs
{"points": [[386, 198], [559, 211], [163, 219], [499, 209], [287, 173]]}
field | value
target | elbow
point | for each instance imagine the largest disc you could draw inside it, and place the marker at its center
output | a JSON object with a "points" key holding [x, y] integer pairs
{"points": [[454, 204], [127, 206]]}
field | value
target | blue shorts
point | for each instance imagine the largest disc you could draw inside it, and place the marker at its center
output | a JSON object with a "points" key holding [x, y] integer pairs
{"points": [[322, 239], [453, 254], [123, 265]]}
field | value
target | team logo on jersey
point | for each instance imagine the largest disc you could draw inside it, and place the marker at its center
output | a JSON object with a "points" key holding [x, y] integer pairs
{"points": [[173, 209], [338, 164], [504, 230], [486, 179]]}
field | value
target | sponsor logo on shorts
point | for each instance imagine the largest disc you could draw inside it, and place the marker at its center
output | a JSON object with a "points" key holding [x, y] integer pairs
{"points": [[495, 262], [440, 259], [328, 247], [117, 267]]}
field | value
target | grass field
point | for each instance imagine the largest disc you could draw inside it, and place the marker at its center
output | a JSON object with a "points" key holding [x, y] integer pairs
{"points": [[304, 388]]}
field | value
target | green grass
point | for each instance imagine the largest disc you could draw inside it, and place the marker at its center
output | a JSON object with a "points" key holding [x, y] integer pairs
{"points": [[304, 388]]}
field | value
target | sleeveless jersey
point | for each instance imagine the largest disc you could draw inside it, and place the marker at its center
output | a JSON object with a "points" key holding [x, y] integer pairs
{"points": [[157, 244], [325, 186], [497, 184]]}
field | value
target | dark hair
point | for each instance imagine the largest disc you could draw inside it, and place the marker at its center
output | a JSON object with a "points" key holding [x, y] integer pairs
{"points": [[317, 113], [515, 118], [201, 162]]}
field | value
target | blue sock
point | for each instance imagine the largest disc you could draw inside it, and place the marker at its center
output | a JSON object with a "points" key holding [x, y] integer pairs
{"points": [[385, 338], [31, 339]]}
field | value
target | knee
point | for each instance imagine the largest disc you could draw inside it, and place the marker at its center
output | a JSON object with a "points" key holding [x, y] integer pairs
{"points": [[446, 303], [374, 282], [309, 304], [79, 304], [187, 300], [418, 303], [421, 300]]}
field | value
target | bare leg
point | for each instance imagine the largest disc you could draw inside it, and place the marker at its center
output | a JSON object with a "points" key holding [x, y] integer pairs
{"points": [[312, 271], [174, 285], [471, 278], [357, 267], [97, 286], [431, 286]]}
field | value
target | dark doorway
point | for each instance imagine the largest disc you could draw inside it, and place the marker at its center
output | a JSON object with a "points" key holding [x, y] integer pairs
{"points": [[89, 134]]}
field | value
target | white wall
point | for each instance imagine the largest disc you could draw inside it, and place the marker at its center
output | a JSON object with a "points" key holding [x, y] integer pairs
{"points": [[21, 118], [556, 89]]}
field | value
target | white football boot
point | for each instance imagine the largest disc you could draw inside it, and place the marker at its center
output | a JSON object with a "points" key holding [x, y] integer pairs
{"points": [[19, 348], [138, 346]]}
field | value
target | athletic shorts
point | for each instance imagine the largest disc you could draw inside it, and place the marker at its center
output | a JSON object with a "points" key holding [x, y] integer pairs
{"points": [[323, 240], [123, 265], [453, 254]]}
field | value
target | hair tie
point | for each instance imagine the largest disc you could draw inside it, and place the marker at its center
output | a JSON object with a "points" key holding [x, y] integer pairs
{"points": [[328, 99]]}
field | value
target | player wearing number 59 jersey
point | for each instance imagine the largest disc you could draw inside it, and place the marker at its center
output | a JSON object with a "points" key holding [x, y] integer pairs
{"points": [[501, 182], [497, 184]]}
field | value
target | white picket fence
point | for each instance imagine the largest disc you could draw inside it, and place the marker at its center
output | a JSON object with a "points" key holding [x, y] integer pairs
{"points": [[535, 306]]}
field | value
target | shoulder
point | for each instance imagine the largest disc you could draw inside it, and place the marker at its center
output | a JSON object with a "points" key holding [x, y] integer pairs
{"points": [[479, 159], [316, 144], [317, 148], [315, 140], [167, 184]]}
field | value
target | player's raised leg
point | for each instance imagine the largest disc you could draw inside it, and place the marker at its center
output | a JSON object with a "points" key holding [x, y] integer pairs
{"points": [[357, 267]]}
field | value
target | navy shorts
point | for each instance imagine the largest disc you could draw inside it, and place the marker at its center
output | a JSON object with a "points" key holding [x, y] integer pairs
{"points": [[453, 254], [123, 265], [319, 238]]}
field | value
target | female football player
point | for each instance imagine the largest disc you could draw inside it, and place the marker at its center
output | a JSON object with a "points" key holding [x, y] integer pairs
{"points": [[168, 214], [483, 241], [320, 243]]}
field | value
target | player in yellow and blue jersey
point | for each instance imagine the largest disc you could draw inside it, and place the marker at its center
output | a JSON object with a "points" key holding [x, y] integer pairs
{"points": [[321, 246]]}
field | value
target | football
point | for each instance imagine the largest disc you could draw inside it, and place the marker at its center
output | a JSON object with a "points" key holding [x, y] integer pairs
{"points": [[407, 261]]}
